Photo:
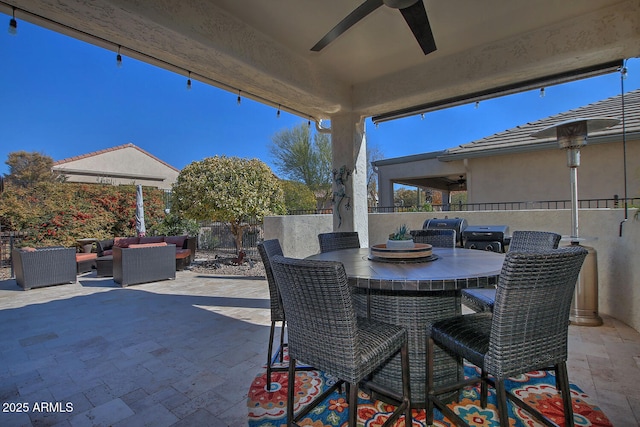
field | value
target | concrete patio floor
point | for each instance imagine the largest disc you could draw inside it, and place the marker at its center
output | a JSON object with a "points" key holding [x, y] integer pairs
{"points": [[184, 353]]}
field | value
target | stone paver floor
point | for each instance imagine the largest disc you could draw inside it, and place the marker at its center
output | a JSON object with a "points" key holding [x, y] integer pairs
{"points": [[184, 352]]}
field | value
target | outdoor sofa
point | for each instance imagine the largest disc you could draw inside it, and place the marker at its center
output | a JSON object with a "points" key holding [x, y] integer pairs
{"points": [[35, 268], [142, 263], [184, 253]]}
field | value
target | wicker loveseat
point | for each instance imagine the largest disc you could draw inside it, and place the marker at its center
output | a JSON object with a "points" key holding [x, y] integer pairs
{"points": [[184, 254], [143, 263], [35, 268]]}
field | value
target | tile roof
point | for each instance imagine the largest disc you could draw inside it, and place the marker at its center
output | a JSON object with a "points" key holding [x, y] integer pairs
{"points": [[519, 137], [107, 150]]}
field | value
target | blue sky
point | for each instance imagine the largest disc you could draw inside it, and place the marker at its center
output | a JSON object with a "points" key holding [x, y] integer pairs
{"points": [[63, 97]]}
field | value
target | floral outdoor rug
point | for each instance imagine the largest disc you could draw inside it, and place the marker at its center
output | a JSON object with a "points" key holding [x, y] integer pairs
{"points": [[268, 409]]}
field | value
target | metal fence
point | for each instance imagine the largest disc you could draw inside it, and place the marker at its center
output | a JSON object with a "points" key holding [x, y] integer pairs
{"points": [[217, 236], [493, 206], [9, 240], [310, 211], [502, 206]]}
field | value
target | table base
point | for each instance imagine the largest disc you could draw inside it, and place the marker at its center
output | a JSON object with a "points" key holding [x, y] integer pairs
{"points": [[413, 311]]}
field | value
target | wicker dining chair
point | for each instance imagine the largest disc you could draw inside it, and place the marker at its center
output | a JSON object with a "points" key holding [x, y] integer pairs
{"points": [[436, 238], [325, 332], [482, 299], [512, 341], [337, 240], [268, 249], [526, 241]]}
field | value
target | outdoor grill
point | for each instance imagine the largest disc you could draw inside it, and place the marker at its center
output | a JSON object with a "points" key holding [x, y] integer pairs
{"points": [[486, 237], [457, 224]]}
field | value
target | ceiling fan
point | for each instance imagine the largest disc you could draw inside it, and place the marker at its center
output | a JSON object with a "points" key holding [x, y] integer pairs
{"points": [[413, 12], [460, 183]]}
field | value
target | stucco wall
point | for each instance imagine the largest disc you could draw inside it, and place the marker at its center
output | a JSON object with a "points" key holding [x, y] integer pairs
{"points": [[617, 256], [544, 175], [298, 234], [126, 165], [528, 176]]}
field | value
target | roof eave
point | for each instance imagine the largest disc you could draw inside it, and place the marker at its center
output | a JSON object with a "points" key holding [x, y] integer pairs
{"points": [[529, 147], [410, 158]]}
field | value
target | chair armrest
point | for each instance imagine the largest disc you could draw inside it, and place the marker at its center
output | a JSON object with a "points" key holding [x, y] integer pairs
{"points": [[191, 243]]}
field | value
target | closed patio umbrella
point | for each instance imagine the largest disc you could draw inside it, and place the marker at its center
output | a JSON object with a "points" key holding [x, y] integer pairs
{"points": [[140, 227]]}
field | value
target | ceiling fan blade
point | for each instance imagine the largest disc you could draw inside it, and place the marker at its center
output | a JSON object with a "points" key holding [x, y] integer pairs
{"points": [[416, 17], [360, 12]]}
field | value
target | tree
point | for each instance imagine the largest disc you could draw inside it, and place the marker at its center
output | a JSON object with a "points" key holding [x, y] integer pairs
{"points": [[458, 197], [373, 153], [406, 197], [297, 196], [299, 158], [26, 169], [228, 189]]}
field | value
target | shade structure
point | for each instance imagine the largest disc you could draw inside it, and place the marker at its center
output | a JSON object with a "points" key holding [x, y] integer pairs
{"points": [[140, 227]]}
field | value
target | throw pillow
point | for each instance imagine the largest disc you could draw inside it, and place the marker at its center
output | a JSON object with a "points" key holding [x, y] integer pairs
{"points": [[124, 242], [147, 245], [151, 239]]}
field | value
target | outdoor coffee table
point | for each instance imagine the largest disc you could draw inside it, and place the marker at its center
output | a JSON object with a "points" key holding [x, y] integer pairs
{"points": [[87, 244], [413, 294], [104, 266]]}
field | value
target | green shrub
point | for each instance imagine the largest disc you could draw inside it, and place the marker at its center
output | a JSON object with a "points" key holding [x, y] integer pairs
{"points": [[174, 225], [54, 213], [208, 240]]}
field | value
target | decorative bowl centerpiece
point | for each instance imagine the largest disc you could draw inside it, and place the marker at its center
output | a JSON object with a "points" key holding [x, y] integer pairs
{"points": [[401, 248], [400, 239]]}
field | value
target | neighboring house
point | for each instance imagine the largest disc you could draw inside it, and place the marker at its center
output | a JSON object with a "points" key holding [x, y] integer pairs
{"points": [[124, 164], [514, 166]]}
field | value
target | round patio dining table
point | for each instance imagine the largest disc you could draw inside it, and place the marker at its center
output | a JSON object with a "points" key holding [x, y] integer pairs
{"points": [[413, 294]]}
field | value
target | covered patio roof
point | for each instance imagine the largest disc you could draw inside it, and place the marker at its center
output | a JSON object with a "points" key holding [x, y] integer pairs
{"points": [[374, 67], [445, 170], [262, 49]]}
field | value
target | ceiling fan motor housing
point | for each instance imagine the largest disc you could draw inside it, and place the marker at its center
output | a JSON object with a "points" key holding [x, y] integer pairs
{"points": [[399, 4]]}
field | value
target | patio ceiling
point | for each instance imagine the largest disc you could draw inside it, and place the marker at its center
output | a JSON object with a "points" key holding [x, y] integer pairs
{"points": [[376, 68]]}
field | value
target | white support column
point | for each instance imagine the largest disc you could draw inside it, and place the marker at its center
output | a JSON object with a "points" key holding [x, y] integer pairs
{"points": [[385, 190], [446, 199], [350, 212]]}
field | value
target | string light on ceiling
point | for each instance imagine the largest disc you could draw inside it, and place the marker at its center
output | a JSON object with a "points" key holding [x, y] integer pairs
{"points": [[278, 113], [13, 24], [542, 92], [136, 54], [119, 58], [497, 91]]}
